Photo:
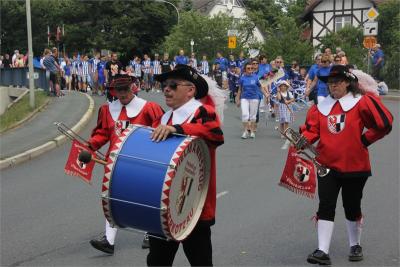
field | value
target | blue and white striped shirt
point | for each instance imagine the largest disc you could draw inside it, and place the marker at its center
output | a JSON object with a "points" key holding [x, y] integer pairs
{"points": [[205, 68], [137, 69], [94, 62], [156, 67], [83, 69], [146, 66]]}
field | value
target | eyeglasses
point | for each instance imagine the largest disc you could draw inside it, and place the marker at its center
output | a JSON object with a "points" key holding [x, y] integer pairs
{"points": [[174, 84]]}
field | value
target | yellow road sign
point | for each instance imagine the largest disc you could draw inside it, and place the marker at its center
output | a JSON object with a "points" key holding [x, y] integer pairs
{"points": [[232, 42], [372, 13]]}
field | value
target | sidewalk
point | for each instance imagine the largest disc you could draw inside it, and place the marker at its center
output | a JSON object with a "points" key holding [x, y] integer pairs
{"points": [[39, 134]]}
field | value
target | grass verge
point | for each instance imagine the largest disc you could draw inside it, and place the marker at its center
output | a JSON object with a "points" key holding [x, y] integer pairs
{"points": [[21, 110]]}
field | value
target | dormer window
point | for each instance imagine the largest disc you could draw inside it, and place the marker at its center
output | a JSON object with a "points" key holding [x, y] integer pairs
{"points": [[228, 2]]}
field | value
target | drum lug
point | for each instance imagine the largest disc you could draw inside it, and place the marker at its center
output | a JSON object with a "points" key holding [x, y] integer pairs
{"points": [[172, 166]]}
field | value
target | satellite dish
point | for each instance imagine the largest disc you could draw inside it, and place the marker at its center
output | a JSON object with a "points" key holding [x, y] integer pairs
{"points": [[229, 6]]}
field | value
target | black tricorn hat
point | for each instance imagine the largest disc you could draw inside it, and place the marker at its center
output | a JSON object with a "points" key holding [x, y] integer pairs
{"points": [[187, 73], [122, 82], [339, 71]]}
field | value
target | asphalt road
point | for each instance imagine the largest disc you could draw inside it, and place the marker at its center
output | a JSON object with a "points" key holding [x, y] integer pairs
{"points": [[48, 218]]}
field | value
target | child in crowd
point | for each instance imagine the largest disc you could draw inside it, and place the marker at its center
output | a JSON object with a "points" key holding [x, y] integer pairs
{"points": [[233, 78], [285, 98], [217, 75]]}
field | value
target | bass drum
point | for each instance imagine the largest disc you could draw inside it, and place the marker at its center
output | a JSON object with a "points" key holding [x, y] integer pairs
{"points": [[157, 187]]}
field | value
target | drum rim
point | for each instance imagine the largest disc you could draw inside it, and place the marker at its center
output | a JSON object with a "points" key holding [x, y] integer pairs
{"points": [[170, 174]]}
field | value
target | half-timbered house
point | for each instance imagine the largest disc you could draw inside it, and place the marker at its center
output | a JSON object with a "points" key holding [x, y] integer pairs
{"points": [[326, 16]]}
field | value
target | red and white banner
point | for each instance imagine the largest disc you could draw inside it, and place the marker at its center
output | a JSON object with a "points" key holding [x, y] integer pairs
{"points": [[77, 168], [299, 174]]}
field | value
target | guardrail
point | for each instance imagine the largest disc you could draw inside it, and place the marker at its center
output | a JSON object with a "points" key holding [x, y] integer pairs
{"points": [[19, 77]]}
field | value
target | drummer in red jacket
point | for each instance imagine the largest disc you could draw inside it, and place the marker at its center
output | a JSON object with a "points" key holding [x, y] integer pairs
{"points": [[183, 88], [113, 119], [345, 123]]}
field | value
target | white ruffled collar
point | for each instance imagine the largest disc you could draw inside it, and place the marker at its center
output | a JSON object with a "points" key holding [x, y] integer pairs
{"points": [[182, 114], [347, 102], [132, 109]]}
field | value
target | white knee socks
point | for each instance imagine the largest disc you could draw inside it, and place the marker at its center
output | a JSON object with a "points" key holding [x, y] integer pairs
{"points": [[354, 232], [111, 232], [325, 229]]}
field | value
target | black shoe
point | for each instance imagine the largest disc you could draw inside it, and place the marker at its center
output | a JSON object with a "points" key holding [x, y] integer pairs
{"points": [[356, 253], [102, 245], [145, 243], [320, 257]]}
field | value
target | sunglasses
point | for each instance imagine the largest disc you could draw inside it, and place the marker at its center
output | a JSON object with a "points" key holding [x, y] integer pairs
{"points": [[249, 68], [174, 84], [255, 63], [324, 61]]}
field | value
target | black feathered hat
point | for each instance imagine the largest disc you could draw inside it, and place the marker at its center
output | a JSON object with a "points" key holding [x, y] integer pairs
{"points": [[339, 71], [187, 73]]}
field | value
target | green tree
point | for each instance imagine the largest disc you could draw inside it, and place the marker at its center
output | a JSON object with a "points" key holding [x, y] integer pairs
{"points": [[117, 25], [286, 41], [187, 5], [389, 38], [209, 34], [282, 29], [350, 39]]}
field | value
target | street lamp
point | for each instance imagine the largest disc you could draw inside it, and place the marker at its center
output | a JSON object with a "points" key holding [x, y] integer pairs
{"points": [[167, 2], [191, 45]]}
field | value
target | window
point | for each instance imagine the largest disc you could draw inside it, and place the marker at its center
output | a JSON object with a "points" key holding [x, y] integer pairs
{"points": [[341, 21], [226, 2]]}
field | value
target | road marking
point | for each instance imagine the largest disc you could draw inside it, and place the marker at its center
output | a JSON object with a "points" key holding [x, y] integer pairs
{"points": [[220, 194]]}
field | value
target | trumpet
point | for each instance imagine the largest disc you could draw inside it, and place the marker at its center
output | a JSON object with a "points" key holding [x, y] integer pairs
{"points": [[301, 144]]}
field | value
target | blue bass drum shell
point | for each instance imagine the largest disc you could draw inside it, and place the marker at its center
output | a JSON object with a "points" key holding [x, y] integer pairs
{"points": [[157, 187]]}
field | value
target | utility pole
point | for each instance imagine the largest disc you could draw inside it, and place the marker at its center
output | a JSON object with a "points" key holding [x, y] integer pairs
{"points": [[30, 60]]}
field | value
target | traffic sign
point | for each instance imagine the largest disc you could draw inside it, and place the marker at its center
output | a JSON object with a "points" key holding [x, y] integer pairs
{"points": [[232, 42], [369, 42], [233, 32], [372, 13], [371, 28]]}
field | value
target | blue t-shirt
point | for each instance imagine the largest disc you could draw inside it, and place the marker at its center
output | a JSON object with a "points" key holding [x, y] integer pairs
{"points": [[250, 86], [100, 68], [312, 71], [182, 60], [240, 62], [232, 63], [263, 69], [322, 88], [67, 70], [223, 63], [378, 54]]}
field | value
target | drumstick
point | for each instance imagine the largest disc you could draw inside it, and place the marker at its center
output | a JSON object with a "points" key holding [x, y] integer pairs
{"points": [[86, 157]]}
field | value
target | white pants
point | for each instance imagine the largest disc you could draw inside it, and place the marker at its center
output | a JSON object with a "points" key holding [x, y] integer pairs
{"points": [[249, 109]]}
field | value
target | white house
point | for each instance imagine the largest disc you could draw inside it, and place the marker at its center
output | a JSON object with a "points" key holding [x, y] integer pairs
{"points": [[327, 16], [234, 8]]}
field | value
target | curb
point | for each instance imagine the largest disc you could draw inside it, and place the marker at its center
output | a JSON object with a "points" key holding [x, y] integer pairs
{"points": [[57, 141]]}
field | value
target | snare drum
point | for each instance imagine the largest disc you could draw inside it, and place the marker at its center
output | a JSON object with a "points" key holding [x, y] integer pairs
{"points": [[159, 187]]}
